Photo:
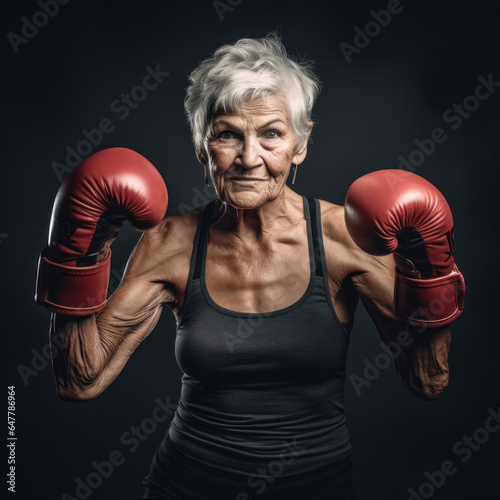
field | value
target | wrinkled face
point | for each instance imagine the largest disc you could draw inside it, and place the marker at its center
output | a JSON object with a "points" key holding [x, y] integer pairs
{"points": [[251, 152]]}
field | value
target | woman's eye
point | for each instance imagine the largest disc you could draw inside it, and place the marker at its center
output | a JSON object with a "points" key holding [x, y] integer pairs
{"points": [[271, 134], [226, 135]]}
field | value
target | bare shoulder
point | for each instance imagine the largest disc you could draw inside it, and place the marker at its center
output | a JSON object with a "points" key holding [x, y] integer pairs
{"points": [[174, 233], [333, 223], [343, 251], [339, 246], [166, 248]]}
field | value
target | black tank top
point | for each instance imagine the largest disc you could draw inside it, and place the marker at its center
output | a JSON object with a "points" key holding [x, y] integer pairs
{"points": [[261, 387]]}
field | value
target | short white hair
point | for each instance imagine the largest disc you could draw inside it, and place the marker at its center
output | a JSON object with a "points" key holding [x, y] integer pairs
{"points": [[251, 68]]}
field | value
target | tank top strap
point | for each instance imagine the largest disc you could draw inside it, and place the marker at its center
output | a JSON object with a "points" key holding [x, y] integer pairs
{"points": [[200, 240], [317, 239], [196, 255], [320, 258]]}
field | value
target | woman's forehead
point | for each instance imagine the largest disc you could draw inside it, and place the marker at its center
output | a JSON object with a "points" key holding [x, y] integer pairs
{"points": [[260, 109]]}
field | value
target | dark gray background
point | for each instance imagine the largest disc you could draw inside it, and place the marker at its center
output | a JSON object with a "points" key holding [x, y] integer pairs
{"points": [[369, 112]]}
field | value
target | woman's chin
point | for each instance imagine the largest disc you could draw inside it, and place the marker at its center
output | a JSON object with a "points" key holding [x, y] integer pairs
{"points": [[245, 200]]}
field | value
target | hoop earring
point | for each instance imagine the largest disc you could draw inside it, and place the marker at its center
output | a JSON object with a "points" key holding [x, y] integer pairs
{"points": [[205, 175], [294, 172]]}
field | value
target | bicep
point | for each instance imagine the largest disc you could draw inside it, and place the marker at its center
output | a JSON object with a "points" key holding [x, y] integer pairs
{"points": [[371, 277], [134, 308], [374, 284]]}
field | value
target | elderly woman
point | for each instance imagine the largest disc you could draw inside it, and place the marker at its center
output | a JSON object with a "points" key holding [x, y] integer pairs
{"points": [[263, 283]]}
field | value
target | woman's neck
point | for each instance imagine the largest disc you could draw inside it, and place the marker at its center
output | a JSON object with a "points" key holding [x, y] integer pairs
{"points": [[273, 216]]}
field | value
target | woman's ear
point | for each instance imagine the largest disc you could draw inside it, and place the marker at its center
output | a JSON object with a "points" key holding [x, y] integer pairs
{"points": [[300, 155]]}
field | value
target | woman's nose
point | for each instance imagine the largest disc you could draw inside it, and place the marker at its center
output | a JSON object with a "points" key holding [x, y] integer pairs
{"points": [[250, 155]]}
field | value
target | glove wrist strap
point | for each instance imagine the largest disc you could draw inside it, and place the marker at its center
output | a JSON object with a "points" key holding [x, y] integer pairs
{"points": [[430, 302], [73, 291]]}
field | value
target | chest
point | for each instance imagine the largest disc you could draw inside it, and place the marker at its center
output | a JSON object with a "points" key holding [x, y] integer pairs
{"points": [[301, 343], [259, 277]]}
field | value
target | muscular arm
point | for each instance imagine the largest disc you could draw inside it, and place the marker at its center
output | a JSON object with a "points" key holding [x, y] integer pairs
{"points": [[94, 349], [422, 365]]}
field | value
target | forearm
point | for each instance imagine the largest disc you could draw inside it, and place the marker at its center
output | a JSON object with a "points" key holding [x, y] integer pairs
{"points": [[422, 357], [422, 365], [80, 358], [92, 351]]}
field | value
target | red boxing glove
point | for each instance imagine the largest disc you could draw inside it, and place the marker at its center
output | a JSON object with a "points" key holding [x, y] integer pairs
{"points": [[107, 188], [398, 211]]}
